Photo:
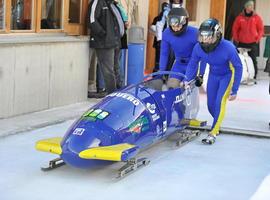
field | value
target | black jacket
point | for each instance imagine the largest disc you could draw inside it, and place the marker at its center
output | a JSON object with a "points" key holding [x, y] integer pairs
{"points": [[104, 29]]}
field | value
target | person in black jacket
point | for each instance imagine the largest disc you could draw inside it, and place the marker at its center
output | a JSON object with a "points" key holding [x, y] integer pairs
{"points": [[106, 29], [156, 43]]}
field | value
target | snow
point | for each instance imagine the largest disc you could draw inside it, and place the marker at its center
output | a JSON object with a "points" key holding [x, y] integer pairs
{"points": [[263, 192]]}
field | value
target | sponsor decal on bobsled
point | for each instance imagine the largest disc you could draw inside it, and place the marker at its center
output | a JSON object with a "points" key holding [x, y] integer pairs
{"points": [[94, 114], [152, 110], [179, 98], [78, 131], [126, 96], [140, 125], [164, 126], [151, 107]]}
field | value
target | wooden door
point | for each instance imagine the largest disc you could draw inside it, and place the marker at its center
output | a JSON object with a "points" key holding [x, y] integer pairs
{"points": [[150, 51], [218, 10], [75, 17]]}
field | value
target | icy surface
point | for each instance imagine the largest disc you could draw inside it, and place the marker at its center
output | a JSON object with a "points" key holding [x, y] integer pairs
{"points": [[235, 168], [250, 111]]}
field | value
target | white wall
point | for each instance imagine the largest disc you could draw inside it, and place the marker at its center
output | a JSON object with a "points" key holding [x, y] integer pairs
{"points": [[37, 76], [203, 12], [143, 15]]}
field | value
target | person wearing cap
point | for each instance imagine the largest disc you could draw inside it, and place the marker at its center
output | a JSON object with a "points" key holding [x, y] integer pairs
{"points": [[153, 29], [225, 71], [247, 32], [267, 66]]}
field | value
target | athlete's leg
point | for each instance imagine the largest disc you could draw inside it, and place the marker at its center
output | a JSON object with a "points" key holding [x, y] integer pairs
{"points": [[225, 85], [212, 89], [174, 80]]}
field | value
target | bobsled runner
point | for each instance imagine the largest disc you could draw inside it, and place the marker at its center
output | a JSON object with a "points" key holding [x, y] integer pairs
{"points": [[124, 123]]}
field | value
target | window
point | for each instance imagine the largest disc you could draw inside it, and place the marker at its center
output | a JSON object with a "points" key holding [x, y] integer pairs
{"points": [[51, 14], [74, 11], [2, 14], [21, 14], [35, 16]]}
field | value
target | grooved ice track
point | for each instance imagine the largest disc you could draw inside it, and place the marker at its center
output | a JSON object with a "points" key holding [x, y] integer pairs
{"points": [[235, 167]]}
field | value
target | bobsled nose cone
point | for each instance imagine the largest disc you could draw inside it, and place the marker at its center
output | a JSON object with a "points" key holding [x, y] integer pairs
{"points": [[72, 158]]}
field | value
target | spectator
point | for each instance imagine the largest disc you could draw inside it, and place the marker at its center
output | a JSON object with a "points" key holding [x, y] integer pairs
{"points": [[157, 42], [107, 28], [267, 55], [92, 88], [123, 45], [247, 32], [1, 14]]}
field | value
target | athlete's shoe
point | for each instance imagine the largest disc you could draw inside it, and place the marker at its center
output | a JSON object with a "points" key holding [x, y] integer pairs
{"points": [[210, 139]]}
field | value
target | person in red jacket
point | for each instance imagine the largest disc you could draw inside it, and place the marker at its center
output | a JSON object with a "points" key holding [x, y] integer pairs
{"points": [[247, 32]]}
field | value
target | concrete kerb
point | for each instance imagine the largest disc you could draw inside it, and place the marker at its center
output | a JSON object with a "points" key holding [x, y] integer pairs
{"points": [[234, 131], [37, 126], [41, 119]]}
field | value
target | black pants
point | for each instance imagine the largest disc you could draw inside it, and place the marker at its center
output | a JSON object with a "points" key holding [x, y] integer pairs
{"points": [[253, 53], [108, 60]]}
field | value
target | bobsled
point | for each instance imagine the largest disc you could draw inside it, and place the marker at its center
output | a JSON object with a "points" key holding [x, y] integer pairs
{"points": [[126, 122]]}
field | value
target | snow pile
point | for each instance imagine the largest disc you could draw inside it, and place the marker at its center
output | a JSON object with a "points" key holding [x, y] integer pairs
{"points": [[263, 192]]}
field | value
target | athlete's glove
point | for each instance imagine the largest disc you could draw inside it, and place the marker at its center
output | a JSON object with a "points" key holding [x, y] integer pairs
{"points": [[199, 80]]}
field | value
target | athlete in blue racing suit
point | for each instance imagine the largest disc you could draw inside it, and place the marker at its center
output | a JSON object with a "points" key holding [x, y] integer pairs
{"points": [[224, 75], [181, 38]]}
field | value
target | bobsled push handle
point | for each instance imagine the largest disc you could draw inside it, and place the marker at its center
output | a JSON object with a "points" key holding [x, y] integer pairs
{"points": [[162, 73], [190, 85]]}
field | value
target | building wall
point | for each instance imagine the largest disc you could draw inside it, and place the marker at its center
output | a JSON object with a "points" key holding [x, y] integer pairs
{"points": [[143, 6], [41, 73], [203, 12]]}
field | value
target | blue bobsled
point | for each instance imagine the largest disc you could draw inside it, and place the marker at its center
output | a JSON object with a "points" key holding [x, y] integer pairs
{"points": [[123, 124]]}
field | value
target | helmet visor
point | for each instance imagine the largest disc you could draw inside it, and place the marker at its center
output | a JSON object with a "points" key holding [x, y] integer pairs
{"points": [[207, 37], [176, 20]]}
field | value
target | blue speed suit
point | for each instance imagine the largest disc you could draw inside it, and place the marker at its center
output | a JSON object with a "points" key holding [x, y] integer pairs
{"points": [[182, 47], [225, 74]]}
